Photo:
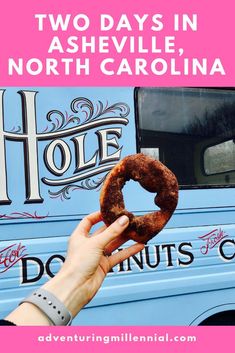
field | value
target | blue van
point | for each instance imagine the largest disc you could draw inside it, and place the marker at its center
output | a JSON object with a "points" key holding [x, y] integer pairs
{"points": [[56, 147]]}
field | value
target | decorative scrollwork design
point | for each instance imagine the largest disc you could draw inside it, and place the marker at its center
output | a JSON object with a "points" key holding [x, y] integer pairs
{"points": [[85, 111], [24, 215], [122, 108], [83, 105], [59, 120], [87, 184]]}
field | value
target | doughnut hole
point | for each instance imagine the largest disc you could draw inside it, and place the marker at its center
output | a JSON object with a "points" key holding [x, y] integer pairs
{"points": [[136, 198]]}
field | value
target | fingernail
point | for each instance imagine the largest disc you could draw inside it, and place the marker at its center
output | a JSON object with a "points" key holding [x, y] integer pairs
{"points": [[123, 220]]}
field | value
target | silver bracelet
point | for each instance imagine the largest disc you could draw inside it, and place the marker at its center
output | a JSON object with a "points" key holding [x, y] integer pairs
{"points": [[52, 307]]}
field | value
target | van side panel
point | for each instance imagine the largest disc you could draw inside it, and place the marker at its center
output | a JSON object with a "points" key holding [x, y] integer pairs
{"points": [[57, 145]]}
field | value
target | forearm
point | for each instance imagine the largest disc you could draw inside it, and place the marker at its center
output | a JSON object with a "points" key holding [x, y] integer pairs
{"points": [[28, 314], [64, 288]]}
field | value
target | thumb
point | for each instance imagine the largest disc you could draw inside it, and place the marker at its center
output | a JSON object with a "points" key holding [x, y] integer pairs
{"points": [[113, 231]]}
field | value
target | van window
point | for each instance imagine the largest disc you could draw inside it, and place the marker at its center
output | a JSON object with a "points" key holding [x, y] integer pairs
{"points": [[192, 131], [213, 156]]}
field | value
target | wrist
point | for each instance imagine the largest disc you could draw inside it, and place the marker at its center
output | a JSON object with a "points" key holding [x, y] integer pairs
{"points": [[69, 291]]}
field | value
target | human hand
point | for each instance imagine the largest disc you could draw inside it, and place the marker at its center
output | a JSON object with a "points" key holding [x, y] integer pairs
{"points": [[86, 265], [84, 270]]}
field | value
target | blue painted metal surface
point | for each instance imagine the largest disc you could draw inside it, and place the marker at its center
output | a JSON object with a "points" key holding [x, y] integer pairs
{"points": [[175, 279]]}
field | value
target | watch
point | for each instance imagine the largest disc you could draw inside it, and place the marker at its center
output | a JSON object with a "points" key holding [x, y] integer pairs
{"points": [[52, 307]]}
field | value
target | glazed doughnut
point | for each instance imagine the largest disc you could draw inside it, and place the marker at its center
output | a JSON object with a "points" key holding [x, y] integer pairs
{"points": [[152, 176]]}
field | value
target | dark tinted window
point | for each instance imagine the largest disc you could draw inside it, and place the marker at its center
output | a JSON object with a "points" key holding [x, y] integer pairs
{"points": [[192, 131]]}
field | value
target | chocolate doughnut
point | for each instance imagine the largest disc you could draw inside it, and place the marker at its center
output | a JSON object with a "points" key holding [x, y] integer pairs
{"points": [[152, 176]]}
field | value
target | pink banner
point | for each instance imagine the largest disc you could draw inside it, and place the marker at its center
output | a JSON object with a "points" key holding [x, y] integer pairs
{"points": [[132, 43], [115, 339]]}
